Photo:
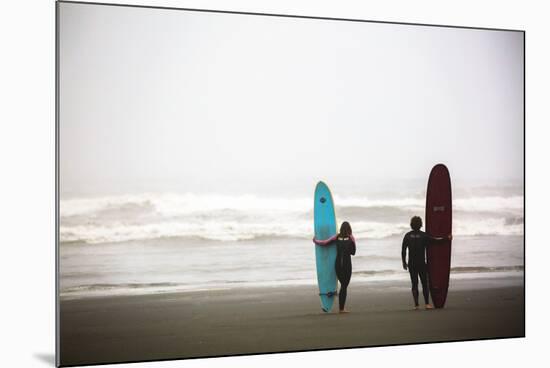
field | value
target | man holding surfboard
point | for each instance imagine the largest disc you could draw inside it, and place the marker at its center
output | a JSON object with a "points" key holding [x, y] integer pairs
{"points": [[417, 242]]}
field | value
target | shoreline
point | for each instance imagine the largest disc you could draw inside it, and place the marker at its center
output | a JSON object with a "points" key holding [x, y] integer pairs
{"points": [[401, 281], [281, 319]]}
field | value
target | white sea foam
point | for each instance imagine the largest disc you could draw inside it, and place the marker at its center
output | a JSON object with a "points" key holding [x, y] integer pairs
{"points": [[170, 204], [233, 218], [489, 226]]}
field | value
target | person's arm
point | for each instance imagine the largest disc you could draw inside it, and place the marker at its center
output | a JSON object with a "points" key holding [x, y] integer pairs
{"points": [[404, 252], [353, 248], [326, 241]]}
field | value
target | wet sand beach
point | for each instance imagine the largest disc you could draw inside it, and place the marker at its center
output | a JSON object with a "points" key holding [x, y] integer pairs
{"points": [[278, 319]]}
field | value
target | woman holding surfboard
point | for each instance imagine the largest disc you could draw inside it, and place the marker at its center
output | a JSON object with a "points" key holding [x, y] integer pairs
{"points": [[345, 246]]}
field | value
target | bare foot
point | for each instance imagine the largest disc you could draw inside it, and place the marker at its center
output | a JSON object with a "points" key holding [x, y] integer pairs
{"points": [[429, 306], [415, 307], [344, 311]]}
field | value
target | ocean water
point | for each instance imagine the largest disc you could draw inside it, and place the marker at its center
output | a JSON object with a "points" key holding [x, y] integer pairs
{"points": [[151, 242]]}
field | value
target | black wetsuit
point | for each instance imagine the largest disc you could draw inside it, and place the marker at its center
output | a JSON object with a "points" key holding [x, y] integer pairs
{"points": [[417, 242], [345, 249]]}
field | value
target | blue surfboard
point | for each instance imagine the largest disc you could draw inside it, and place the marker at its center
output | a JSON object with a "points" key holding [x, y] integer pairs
{"points": [[324, 221]]}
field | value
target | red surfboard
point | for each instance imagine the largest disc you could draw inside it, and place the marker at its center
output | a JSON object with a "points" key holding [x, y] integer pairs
{"points": [[439, 220]]}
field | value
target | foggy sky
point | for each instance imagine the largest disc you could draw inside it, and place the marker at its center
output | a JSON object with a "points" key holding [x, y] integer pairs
{"points": [[164, 100]]}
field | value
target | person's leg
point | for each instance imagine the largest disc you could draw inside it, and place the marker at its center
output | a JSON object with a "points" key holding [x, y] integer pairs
{"points": [[425, 290], [342, 296], [414, 282], [344, 276]]}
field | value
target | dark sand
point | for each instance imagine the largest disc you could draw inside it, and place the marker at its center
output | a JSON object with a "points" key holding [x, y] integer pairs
{"points": [[256, 320]]}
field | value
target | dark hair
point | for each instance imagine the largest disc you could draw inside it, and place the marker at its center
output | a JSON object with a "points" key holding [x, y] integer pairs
{"points": [[416, 223], [345, 230]]}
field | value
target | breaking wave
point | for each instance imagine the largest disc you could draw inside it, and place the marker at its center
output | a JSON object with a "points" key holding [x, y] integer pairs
{"points": [[246, 217]]}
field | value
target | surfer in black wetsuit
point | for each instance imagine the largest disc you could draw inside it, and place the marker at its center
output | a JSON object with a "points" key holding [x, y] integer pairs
{"points": [[345, 246], [417, 242]]}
